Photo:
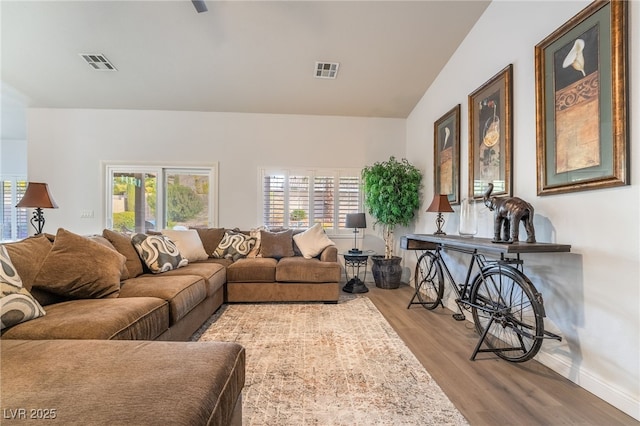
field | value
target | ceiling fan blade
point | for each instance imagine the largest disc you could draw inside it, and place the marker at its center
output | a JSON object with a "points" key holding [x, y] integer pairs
{"points": [[199, 5]]}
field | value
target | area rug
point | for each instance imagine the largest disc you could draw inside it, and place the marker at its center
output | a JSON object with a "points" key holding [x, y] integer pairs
{"points": [[317, 364]]}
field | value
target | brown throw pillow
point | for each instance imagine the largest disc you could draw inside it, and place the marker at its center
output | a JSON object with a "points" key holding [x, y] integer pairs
{"points": [[27, 257], [211, 238], [79, 268], [124, 246], [276, 244]]}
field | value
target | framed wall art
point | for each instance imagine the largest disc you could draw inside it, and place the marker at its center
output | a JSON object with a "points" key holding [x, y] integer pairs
{"points": [[446, 155], [581, 102], [490, 136]]}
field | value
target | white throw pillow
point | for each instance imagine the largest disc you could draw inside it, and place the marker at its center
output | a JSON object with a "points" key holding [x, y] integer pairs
{"points": [[312, 241], [188, 242]]}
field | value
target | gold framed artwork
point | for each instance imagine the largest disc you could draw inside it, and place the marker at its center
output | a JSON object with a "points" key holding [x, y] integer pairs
{"points": [[446, 155], [581, 102], [491, 135]]}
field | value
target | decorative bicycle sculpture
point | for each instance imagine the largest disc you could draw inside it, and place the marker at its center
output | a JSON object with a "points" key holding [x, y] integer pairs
{"points": [[508, 311]]}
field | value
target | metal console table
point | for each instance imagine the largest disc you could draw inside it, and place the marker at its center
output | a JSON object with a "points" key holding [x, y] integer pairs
{"points": [[507, 310]]}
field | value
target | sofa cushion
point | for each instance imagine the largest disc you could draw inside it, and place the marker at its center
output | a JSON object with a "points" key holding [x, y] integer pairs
{"points": [[182, 292], [189, 244], [16, 303], [210, 237], [312, 241], [158, 252], [214, 274], [276, 244], [124, 383], [300, 270], [234, 245], [259, 269], [135, 318], [79, 268], [124, 246], [27, 256], [124, 272]]}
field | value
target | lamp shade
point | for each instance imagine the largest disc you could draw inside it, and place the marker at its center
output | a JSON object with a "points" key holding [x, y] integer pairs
{"points": [[37, 195], [440, 204], [356, 220]]}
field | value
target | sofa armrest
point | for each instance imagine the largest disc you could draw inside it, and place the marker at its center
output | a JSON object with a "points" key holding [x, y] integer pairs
{"points": [[329, 254]]}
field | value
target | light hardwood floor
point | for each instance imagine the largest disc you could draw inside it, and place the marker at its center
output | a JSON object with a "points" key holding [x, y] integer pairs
{"points": [[489, 391]]}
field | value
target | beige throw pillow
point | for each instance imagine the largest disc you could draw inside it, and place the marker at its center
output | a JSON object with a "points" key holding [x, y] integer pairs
{"points": [[189, 244], [312, 241], [79, 268]]}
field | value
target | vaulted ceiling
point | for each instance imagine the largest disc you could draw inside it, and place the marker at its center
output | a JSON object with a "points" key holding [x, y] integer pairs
{"points": [[239, 56]]}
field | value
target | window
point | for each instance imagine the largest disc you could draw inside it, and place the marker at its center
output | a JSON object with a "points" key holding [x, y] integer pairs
{"points": [[300, 198], [145, 198], [13, 221]]}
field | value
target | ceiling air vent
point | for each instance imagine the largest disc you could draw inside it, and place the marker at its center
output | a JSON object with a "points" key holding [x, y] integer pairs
{"points": [[326, 70], [98, 62]]}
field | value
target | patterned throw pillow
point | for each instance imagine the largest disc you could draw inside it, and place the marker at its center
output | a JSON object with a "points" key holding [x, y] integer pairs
{"points": [[16, 303], [158, 252], [234, 245]]}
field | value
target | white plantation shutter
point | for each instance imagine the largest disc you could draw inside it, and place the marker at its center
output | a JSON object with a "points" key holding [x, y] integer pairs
{"points": [[14, 222], [298, 199], [349, 198], [273, 200], [323, 201]]}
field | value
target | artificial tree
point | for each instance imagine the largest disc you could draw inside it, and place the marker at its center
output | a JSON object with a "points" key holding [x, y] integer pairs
{"points": [[391, 196]]}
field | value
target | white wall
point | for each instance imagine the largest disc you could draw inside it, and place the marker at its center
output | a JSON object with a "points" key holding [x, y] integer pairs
{"points": [[66, 147], [591, 295]]}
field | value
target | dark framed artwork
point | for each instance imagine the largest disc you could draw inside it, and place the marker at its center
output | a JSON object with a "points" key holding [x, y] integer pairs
{"points": [[491, 135], [446, 155], [581, 102]]}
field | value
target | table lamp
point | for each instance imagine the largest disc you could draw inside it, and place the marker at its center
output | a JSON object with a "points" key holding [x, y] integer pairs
{"points": [[37, 196], [356, 221], [440, 204]]}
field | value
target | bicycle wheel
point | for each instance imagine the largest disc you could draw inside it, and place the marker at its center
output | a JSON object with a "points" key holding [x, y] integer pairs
{"points": [[429, 281], [503, 299]]}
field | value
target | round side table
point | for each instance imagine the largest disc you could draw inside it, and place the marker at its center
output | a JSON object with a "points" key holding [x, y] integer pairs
{"points": [[352, 264]]}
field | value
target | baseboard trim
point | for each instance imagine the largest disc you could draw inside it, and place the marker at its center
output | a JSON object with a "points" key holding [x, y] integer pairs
{"points": [[617, 398], [611, 395]]}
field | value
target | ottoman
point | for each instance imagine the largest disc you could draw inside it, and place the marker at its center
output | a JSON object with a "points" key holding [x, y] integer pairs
{"points": [[109, 382]]}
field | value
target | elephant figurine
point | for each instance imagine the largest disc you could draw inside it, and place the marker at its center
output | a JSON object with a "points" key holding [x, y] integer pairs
{"points": [[509, 211]]}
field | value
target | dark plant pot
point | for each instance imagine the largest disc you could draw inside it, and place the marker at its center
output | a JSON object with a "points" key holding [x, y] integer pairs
{"points": [[386, 272]]}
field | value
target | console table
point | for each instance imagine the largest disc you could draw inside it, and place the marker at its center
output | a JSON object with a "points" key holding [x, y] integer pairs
{"points": [[507, 309]]}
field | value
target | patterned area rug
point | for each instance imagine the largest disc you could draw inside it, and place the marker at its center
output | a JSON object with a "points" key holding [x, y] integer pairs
{"points": [[317, 364]]}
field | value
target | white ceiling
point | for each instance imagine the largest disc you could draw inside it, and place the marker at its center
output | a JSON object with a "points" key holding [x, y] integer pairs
{"points": [[240, 56]]}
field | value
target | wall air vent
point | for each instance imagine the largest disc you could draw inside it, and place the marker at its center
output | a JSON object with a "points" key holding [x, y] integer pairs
{"points": [[98, 62], [326, 70]]}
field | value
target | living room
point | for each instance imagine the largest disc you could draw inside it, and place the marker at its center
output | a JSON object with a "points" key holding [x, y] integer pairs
{"points": [[591, 294]]}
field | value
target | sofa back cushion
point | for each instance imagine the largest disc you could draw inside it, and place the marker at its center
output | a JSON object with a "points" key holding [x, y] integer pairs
{"points": [[124, 246], [79, 268]]}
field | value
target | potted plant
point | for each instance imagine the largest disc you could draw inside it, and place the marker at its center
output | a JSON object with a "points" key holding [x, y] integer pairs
{"points": [[391, 196]]}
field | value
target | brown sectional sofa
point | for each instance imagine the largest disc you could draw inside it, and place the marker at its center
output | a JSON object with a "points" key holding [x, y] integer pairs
{"points": [[167, 306]]}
